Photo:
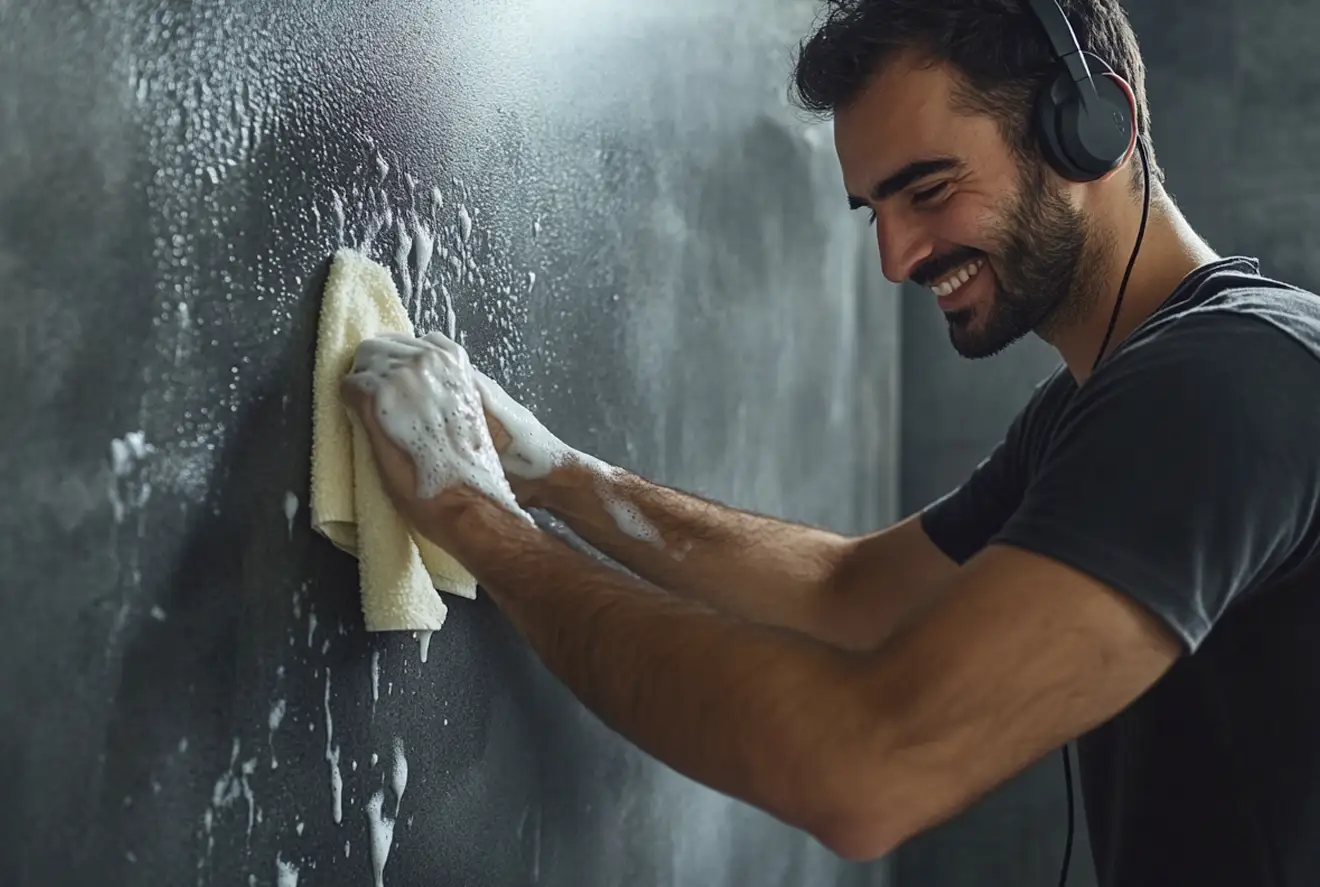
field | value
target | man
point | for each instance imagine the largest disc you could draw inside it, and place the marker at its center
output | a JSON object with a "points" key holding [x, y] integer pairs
{"points": [[1135, 564]]}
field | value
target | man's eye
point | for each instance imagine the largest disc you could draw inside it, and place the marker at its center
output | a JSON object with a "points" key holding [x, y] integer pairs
{"points": [[929, 193]]}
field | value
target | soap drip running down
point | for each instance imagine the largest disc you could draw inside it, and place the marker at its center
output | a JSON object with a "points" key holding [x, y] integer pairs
{"points": [[382, 835], [443, 258], [400, 774], [286, 873], [332, 757]]}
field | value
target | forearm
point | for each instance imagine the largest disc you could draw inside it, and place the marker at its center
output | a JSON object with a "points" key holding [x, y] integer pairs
{"points": [[754, 712], [769, 571]]}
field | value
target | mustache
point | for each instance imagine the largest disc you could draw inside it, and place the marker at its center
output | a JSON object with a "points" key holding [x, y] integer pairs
{"points": [[934, 268]]}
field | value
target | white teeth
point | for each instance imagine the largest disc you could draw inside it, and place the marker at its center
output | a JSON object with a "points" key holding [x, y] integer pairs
{"points": [[955, 280]]}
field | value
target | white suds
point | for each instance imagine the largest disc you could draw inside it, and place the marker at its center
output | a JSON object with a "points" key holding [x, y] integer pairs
{"points": [[249, 767], [332, 756], [231, 785], [158, 614], [374, 758], [311, 625], [382, 835], [290, 510], [425, 638], [628, 518], [400, 774], [286, 873], [375, 677], [533, 451], [427, 403], [274, 721], [126, 450]]}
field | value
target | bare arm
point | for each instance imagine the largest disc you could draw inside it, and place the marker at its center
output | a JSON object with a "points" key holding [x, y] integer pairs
{"points": [[862, 750], [848, 592], [1020, 653]]}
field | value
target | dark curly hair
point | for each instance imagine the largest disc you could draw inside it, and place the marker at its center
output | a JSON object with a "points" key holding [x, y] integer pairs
{"points": [[996, 47]]}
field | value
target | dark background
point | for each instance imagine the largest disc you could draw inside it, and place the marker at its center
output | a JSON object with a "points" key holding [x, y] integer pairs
{"points": [[657, 262]]}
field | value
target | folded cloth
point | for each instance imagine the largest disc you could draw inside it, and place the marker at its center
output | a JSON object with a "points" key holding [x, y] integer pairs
{"points": [[399, 570]]}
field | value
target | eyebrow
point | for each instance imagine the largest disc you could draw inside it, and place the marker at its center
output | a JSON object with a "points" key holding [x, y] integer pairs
{"points": [[914, 171]]}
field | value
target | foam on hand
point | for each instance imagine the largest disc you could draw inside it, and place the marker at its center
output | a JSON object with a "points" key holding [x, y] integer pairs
{"points": [[427, 404], [533, 452]]}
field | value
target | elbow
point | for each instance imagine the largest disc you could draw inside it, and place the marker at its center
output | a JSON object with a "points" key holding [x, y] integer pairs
{"points": [[856, 835], [849, 813], [863, 805]]}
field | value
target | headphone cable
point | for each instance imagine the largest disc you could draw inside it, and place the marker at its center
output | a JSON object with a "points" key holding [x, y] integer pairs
{"points": [[1132, 260], [1113, 321]]}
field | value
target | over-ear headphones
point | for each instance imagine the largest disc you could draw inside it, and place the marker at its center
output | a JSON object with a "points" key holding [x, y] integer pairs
{"points": [[1084, 123]]}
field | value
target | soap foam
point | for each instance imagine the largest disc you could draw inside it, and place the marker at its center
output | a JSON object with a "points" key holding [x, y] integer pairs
{"points": [[532, 451], [276, 718], [427, 404], [286, 873], [382, 835], [290, 510], [399, 775], [629, 519], [425, 638], [125, 451], [332, 757]]}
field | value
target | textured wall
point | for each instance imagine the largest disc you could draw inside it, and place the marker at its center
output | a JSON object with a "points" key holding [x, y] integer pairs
{"points": [[1233, 94], [635, 233]]}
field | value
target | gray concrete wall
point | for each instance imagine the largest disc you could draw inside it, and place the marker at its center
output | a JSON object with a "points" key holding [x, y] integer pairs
{"points": [[640, 238]]}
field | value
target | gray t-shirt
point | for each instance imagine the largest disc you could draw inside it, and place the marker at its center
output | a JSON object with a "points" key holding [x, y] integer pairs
{"points": [[1186, 474]]}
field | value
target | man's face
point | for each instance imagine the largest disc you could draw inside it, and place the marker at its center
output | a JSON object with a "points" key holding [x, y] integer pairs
{"points": [[998, 240]]}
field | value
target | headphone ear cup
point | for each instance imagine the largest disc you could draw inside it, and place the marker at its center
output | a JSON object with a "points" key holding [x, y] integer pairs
{"points": [[1084, 142], [1051, 113], [1099, 138]]}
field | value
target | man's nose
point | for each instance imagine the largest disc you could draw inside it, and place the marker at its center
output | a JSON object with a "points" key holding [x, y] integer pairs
{"points": [[902, 246]]}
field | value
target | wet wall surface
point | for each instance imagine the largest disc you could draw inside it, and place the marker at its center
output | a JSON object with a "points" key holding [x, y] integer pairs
{"points": [[636, 235]]}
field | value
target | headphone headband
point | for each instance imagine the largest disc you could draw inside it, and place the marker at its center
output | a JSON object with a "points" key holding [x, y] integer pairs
{"points": [[1084, 123], [1063, 39]]}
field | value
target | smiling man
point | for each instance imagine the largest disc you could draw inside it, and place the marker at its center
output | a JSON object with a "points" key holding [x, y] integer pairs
{"points": [[1134, 565]]}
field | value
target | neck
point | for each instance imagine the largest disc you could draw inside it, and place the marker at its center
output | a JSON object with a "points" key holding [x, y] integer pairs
{"points": [[1170, 250]]}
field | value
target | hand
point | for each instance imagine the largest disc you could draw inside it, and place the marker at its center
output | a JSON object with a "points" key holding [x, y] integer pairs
{"points": [[528, 451], [417, 400]]}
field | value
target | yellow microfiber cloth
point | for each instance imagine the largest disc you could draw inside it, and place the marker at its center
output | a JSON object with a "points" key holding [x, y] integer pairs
{"points": [[399, 570]]}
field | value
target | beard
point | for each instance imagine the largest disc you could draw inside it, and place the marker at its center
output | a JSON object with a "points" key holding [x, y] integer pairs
{"points": [[1047, 264]]}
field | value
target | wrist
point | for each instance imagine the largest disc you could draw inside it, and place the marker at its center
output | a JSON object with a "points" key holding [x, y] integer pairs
{"points": [[576, 479], [467, 523]]}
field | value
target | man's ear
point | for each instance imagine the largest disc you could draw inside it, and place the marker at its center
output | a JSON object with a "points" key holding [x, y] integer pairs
{"points": [[1132, 105]]}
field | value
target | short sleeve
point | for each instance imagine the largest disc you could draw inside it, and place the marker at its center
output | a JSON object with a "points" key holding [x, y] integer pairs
{"points": [[963, 521], [1186, 473]]}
